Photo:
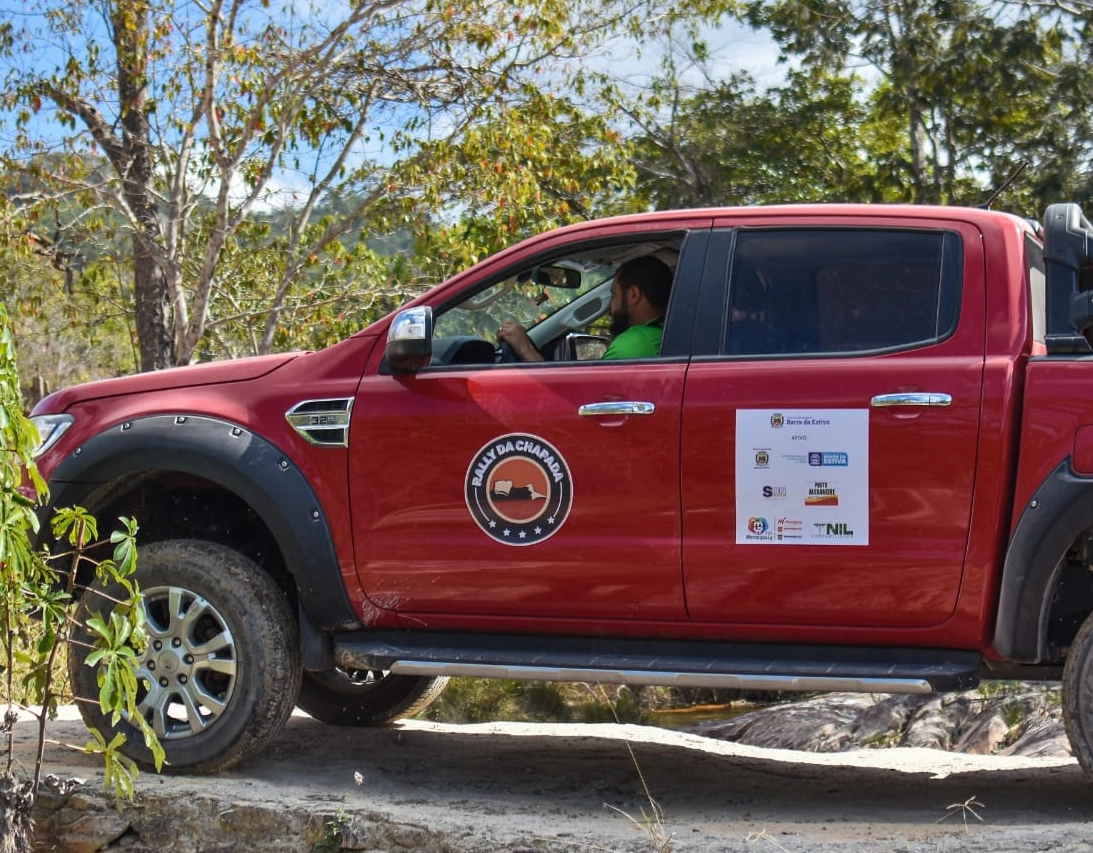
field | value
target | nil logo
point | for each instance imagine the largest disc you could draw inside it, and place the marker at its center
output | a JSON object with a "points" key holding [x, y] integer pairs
{"points": [[840, 529]]}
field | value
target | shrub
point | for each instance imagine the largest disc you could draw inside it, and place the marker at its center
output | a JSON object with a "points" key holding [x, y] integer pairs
{"points": [[38, 592]]}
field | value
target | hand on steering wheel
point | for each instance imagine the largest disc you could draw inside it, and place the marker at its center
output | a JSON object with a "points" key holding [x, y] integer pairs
{"points": [[505, 354], [515, 345]]}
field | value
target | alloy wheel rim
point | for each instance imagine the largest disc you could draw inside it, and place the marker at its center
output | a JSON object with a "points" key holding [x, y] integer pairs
{"points": [[189, 668]]}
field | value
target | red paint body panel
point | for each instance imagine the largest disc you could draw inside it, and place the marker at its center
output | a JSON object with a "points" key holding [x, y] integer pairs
{"points": [[615, 557], [1059, 392], [195, 375], [254, 399]]}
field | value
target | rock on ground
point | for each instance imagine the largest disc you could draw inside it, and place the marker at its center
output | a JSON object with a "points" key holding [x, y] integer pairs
{"points": [[1020, 719]]}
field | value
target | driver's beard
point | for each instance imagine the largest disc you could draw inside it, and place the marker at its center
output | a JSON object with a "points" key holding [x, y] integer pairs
{"points": [[620, 320]]}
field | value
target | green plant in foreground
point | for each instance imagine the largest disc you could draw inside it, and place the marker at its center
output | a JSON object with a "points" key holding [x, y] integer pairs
{"points": [[330, 838], [38, 596]]}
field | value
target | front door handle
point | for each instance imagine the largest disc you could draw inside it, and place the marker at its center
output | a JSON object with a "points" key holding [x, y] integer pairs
{"points": [[615, 408], [915, 398]]}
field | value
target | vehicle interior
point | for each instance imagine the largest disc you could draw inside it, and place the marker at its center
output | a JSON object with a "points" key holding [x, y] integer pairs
{"points": [[561, 300]]}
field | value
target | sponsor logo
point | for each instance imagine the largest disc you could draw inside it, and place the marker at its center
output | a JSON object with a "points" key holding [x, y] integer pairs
{"points": [[777, 421], [762, 458], [828, 459], [774, 492], [758, 530], [832, 530], [802, 421], [518, 489], [822, 494], [788, 529]]}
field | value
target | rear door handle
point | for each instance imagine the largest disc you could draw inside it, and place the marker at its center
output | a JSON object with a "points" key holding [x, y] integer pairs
{"points": [[916, 398], [615, 408]]}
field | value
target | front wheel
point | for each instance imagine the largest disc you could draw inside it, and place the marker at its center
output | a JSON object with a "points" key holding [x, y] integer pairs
{"points": [[365, 697], [222, 664]]}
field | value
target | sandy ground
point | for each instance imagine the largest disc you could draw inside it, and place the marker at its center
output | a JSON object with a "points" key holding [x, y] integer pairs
{"points": [[518, 787]]}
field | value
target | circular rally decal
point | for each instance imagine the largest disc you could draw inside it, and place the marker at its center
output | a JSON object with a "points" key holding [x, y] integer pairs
{"points": [[518, 489]]}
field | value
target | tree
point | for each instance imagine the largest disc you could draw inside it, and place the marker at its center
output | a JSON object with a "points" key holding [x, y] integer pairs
{"points": [[727, 143], [184, 120], [976, 86]]}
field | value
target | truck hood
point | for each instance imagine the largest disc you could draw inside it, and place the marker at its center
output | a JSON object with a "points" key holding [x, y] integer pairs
{"points": [[211, 373]]}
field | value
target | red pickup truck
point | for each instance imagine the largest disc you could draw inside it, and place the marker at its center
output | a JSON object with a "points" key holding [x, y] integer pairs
{"points": [[862, 460]]}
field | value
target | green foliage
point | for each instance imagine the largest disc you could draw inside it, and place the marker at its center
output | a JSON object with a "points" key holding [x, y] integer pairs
{"points": [[294, 177], [730, 144], [995, 689], [470, 700], [71, 321], [967, 90], [38, 592], [623, 705]]}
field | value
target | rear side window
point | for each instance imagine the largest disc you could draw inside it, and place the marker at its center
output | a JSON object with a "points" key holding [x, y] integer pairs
{"points": [[830, 291]]}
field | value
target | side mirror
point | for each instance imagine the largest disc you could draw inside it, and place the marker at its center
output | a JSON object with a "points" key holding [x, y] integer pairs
{"points": [[582, 347], [410, 340]]}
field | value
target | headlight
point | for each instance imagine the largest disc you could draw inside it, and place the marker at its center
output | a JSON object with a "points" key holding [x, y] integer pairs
{"points": [[50, 428]]}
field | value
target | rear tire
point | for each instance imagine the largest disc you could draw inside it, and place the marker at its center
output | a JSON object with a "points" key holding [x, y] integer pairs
{"points": [[1078, 695], [222, 665], [365, 697]]}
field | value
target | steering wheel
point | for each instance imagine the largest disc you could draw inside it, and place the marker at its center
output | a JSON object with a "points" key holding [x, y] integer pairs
{"points": [[505, 354]]}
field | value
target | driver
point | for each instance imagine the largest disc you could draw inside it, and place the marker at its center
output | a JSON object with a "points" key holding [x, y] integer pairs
{"points": [[639, 300]]}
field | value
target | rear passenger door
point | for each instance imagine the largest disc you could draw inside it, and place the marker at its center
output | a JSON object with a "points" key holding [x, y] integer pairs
{"points": [[829, 434]]}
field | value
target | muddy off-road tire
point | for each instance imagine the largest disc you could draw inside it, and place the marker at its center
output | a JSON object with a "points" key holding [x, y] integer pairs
{"points": [[1078, 695], [365, 697], [222, 667]]}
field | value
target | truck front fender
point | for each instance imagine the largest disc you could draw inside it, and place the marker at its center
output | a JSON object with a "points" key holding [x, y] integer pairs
{"points": [[240, 462], [1057, 515]]}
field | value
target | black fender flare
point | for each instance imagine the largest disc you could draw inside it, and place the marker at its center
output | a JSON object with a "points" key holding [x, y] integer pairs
{"points": [[239, 461], [1059, 512]]}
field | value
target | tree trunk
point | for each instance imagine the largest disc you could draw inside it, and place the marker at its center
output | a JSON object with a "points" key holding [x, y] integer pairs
{"points": [[131, 23], [917, 132], [152, 314]]}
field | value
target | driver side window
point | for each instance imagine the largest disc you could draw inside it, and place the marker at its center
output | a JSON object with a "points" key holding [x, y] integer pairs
{"points": [[552, 299], [527, 297]]}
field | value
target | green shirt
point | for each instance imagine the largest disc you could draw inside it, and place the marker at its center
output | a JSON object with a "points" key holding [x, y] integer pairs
{"points": [[638, 341]]}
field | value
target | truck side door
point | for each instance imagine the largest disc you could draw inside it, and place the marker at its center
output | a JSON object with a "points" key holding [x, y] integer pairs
{"points": [[500, 490], [830, 433]]}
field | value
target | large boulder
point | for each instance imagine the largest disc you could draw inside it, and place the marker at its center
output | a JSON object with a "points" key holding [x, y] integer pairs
{"points": [[1018, 719]]}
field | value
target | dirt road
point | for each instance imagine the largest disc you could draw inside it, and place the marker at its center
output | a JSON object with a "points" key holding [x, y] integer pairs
{"points": [[517, 787]]}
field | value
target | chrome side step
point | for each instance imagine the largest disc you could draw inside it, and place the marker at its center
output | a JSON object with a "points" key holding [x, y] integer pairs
{"points": [[679, 663], [734, 681]]}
